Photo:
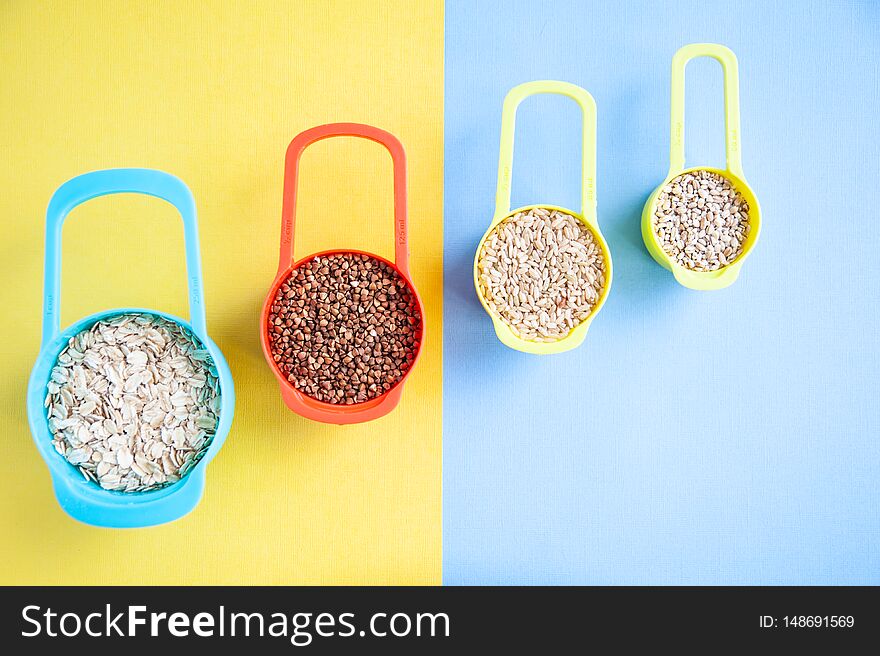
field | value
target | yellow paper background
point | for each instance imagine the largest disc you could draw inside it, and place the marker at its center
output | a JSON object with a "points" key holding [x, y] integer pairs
{"points": [[213, 92]]}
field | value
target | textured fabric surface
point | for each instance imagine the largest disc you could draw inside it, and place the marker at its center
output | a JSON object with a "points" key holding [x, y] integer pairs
{"points": [[213, 92], [722, 437]]}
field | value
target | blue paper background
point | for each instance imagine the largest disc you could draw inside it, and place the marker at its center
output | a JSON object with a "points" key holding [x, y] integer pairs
{"points": [[728, 437]]}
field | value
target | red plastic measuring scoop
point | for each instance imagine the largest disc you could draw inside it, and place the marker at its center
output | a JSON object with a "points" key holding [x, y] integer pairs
{"points": [[296, 400]]}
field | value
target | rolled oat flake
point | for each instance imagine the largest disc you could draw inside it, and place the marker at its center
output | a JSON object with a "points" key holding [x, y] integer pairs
{"points": [[133, 402]]}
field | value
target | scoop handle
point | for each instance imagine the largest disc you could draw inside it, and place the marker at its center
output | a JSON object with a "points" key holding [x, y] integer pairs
{"points": [[588, 146], [117, 181], [727, 59], [291, 177]]}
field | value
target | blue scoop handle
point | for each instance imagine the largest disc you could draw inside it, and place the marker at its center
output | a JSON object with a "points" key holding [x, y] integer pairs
{"points": [[119, 181]]}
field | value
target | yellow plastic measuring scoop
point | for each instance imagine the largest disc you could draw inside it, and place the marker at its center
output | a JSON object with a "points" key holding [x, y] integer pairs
{"points": [[726, 275], [587, 215]]}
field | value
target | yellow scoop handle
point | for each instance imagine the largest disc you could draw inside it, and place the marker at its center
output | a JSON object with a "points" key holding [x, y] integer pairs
{"points": [[588, 146], [727, 60]]}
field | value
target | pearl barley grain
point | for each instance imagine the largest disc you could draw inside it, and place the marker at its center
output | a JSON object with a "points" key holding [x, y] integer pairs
{"points": [[701, 221]]}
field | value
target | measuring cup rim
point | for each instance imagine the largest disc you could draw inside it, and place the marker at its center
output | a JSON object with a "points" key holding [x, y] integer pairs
{"points": [[267, 350], [577, 334], [742, 186], [89, 491]]}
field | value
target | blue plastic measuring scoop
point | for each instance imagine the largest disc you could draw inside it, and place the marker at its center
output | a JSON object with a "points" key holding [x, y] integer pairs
{"points": [[85, 500]]}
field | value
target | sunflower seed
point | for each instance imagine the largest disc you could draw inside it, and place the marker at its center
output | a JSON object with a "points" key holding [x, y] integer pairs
{"points": [[542, 272]]}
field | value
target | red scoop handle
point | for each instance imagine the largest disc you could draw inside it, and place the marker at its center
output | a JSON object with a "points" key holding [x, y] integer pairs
{"points": [[291, 176]]}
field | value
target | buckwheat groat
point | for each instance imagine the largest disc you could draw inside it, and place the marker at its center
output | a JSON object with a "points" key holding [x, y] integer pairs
{"points": [[344, 328]]}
